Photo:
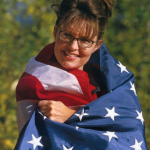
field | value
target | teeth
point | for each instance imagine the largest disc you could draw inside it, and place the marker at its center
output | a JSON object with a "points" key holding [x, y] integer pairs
{"points": [[70, 55]]}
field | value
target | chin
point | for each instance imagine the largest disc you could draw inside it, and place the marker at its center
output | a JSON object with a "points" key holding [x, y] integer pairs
{"points": [[70, 67]]}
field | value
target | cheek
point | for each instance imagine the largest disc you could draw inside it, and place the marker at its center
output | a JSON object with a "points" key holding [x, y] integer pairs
{"points": [[85, 58], [86, 53], [58, 47]]}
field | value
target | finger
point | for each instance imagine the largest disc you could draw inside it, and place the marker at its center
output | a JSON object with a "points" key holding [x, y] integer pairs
{"points": [[42, 103], [52, 117], [45, 102], [48, 115], [44, 109]]}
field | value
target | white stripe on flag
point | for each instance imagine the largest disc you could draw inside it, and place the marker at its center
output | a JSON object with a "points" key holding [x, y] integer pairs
{"points": [[53, 78], [25, 109]]}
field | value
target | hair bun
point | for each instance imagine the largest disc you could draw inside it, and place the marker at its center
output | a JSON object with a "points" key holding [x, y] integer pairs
{"points": [[108, 7], [94, 13]]}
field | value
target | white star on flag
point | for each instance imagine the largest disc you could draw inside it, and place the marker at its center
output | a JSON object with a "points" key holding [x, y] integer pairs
{"points": [[110, 135], [81, 115], [35, 141], [133, 88], [42, 115], [77, 127], [140, 116], [64, 148], [111, 113], [123, 68], [137, 145]]}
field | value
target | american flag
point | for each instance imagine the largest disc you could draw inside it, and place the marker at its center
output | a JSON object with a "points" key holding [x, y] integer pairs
{"points": [[111, 122]]}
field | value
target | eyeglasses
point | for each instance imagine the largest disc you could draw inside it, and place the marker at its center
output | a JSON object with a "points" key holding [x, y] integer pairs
{"points": [[83, 42]]}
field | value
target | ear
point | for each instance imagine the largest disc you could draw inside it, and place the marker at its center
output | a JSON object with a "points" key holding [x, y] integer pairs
{"points": [[98, 44], [55, 32]]}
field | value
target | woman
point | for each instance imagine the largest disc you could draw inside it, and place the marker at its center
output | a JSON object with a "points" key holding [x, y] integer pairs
{"points": [[78, 34]]}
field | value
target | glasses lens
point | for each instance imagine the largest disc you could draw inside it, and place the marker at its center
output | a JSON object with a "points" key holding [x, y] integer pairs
{"points": [[85, 43], [65, 36]]}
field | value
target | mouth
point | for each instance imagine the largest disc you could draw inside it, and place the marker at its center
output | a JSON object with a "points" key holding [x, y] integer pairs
{"points": [[70, 55]]}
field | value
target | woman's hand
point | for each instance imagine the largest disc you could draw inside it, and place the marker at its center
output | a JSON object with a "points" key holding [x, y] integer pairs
{"points": [[55, 110]]}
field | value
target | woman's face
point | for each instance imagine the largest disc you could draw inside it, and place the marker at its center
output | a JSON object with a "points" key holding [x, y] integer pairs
{"points": [[69, 54]]}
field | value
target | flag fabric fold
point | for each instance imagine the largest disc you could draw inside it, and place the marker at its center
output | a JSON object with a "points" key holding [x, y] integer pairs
{"points": [[111, 122]]}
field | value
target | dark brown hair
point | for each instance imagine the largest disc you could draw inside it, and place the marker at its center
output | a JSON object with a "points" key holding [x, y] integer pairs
{"points": [[92, 14]]}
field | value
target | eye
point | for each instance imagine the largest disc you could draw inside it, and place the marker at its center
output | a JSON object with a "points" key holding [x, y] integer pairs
{"points": [[67, 34], [86, 41]]}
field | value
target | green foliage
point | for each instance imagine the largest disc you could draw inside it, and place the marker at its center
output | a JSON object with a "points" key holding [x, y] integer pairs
{"points": [[127, 38], [18, 42]]}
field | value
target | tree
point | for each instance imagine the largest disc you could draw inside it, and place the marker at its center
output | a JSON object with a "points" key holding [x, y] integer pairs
{"points": [[26, 27]]}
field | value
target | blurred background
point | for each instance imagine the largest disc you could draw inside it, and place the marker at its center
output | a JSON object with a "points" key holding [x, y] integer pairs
{"points": [[26, 26]]}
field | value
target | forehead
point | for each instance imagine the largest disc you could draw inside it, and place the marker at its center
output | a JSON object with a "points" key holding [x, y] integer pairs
{"points": [[79, 29]]}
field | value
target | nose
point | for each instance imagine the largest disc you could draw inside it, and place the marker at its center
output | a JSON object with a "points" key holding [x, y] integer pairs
{"points": [[74, 45]]}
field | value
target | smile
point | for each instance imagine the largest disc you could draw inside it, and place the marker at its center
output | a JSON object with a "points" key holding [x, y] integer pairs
{"points": [[70, 55]]}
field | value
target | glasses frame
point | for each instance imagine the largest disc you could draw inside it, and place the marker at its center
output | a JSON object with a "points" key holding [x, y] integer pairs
{"points": [[77, 40]]}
